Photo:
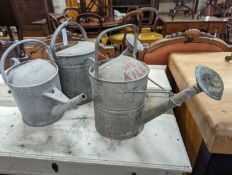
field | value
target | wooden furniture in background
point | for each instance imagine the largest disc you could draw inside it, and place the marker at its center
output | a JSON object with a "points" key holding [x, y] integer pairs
{"points": [[150, 25], [33, 16], [102, 7], [8, 18], [110, 22], [212, 119], [123, 5], [71, 12], [181, 23], [181, 5], [228, 16], [50, 6], [72, 9], [91, 31], [211, 9], [72, 3], [192, 40], [21, 13]]}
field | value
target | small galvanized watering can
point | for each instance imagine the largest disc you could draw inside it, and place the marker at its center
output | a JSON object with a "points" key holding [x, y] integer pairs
{"points": [[118, 102], [73, 68], [35, 86]]}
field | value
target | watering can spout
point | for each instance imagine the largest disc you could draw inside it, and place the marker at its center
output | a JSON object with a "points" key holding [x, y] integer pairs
{"points": [[208, 81], [64, 103]]}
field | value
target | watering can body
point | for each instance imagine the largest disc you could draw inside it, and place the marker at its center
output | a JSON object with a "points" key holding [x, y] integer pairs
{"points": [[116, 112], [73, 68], [35, 86], [34, 107]]}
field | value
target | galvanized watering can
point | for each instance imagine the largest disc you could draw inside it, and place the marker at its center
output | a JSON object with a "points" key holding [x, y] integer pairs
{"points": [[73, 68], [118, 102], [35, 86]]}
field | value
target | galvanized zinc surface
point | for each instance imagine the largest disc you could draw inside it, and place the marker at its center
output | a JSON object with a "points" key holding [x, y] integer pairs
{"points": [[81, 48], [75, 139], [130, 42], [32, 73], [122, 69]]}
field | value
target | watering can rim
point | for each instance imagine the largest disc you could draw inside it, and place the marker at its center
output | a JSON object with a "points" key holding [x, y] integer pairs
{"points": [[21, 63], [91, 69], [70, 56]]}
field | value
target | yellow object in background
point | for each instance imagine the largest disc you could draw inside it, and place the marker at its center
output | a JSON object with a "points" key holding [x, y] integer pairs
{"points": [[104, 39], [73, 14], [117, 38], [149, 37]]}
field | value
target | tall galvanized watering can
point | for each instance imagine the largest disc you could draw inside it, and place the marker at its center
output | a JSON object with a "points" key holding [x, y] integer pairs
{"points": [[35, 86], [118, 102], [73, 68]]}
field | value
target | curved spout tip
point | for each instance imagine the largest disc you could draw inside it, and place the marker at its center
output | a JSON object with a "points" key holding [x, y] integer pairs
{"points": [[76, 100], [83, 96], [209, 81], [61, 108]]}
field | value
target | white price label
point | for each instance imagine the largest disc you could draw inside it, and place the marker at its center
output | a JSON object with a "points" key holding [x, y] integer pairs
{"points": [[65, 37]]}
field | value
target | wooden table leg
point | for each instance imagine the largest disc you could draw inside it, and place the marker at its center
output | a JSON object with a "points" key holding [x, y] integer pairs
{"points": [[10, 33]]}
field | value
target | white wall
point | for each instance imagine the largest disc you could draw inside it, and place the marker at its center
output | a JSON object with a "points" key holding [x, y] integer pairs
{"points": [[59, 5]]}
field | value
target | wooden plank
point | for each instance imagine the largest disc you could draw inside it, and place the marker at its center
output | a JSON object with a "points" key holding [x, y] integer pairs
{"points": [[213, 118], [189, 131]]}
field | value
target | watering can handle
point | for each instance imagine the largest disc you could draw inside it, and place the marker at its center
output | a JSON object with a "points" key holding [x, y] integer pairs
{"points": [[135, 29], [58, 30], [12, 47]]}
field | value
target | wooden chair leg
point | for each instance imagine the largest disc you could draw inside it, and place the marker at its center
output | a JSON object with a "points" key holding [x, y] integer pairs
{"points": [[21, 47], [10, 33]]}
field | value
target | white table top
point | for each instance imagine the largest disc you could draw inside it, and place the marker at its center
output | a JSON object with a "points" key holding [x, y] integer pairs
{"points": [[75, 139], [157, 74]]}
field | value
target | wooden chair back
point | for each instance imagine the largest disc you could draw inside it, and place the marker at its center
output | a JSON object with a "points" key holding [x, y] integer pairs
{"points": [[90, 18], [152, 14], [192, 40], [133, 17]]}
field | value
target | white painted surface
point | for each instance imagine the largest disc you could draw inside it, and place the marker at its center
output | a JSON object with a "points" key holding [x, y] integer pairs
{"points": [[157, 74], [1, 81], [74, 139], [6, 99], [59, 6]]}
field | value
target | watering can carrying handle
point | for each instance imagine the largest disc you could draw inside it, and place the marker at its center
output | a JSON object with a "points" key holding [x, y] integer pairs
{"points": [[12, 47], [135, 29], [59, 29]]}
